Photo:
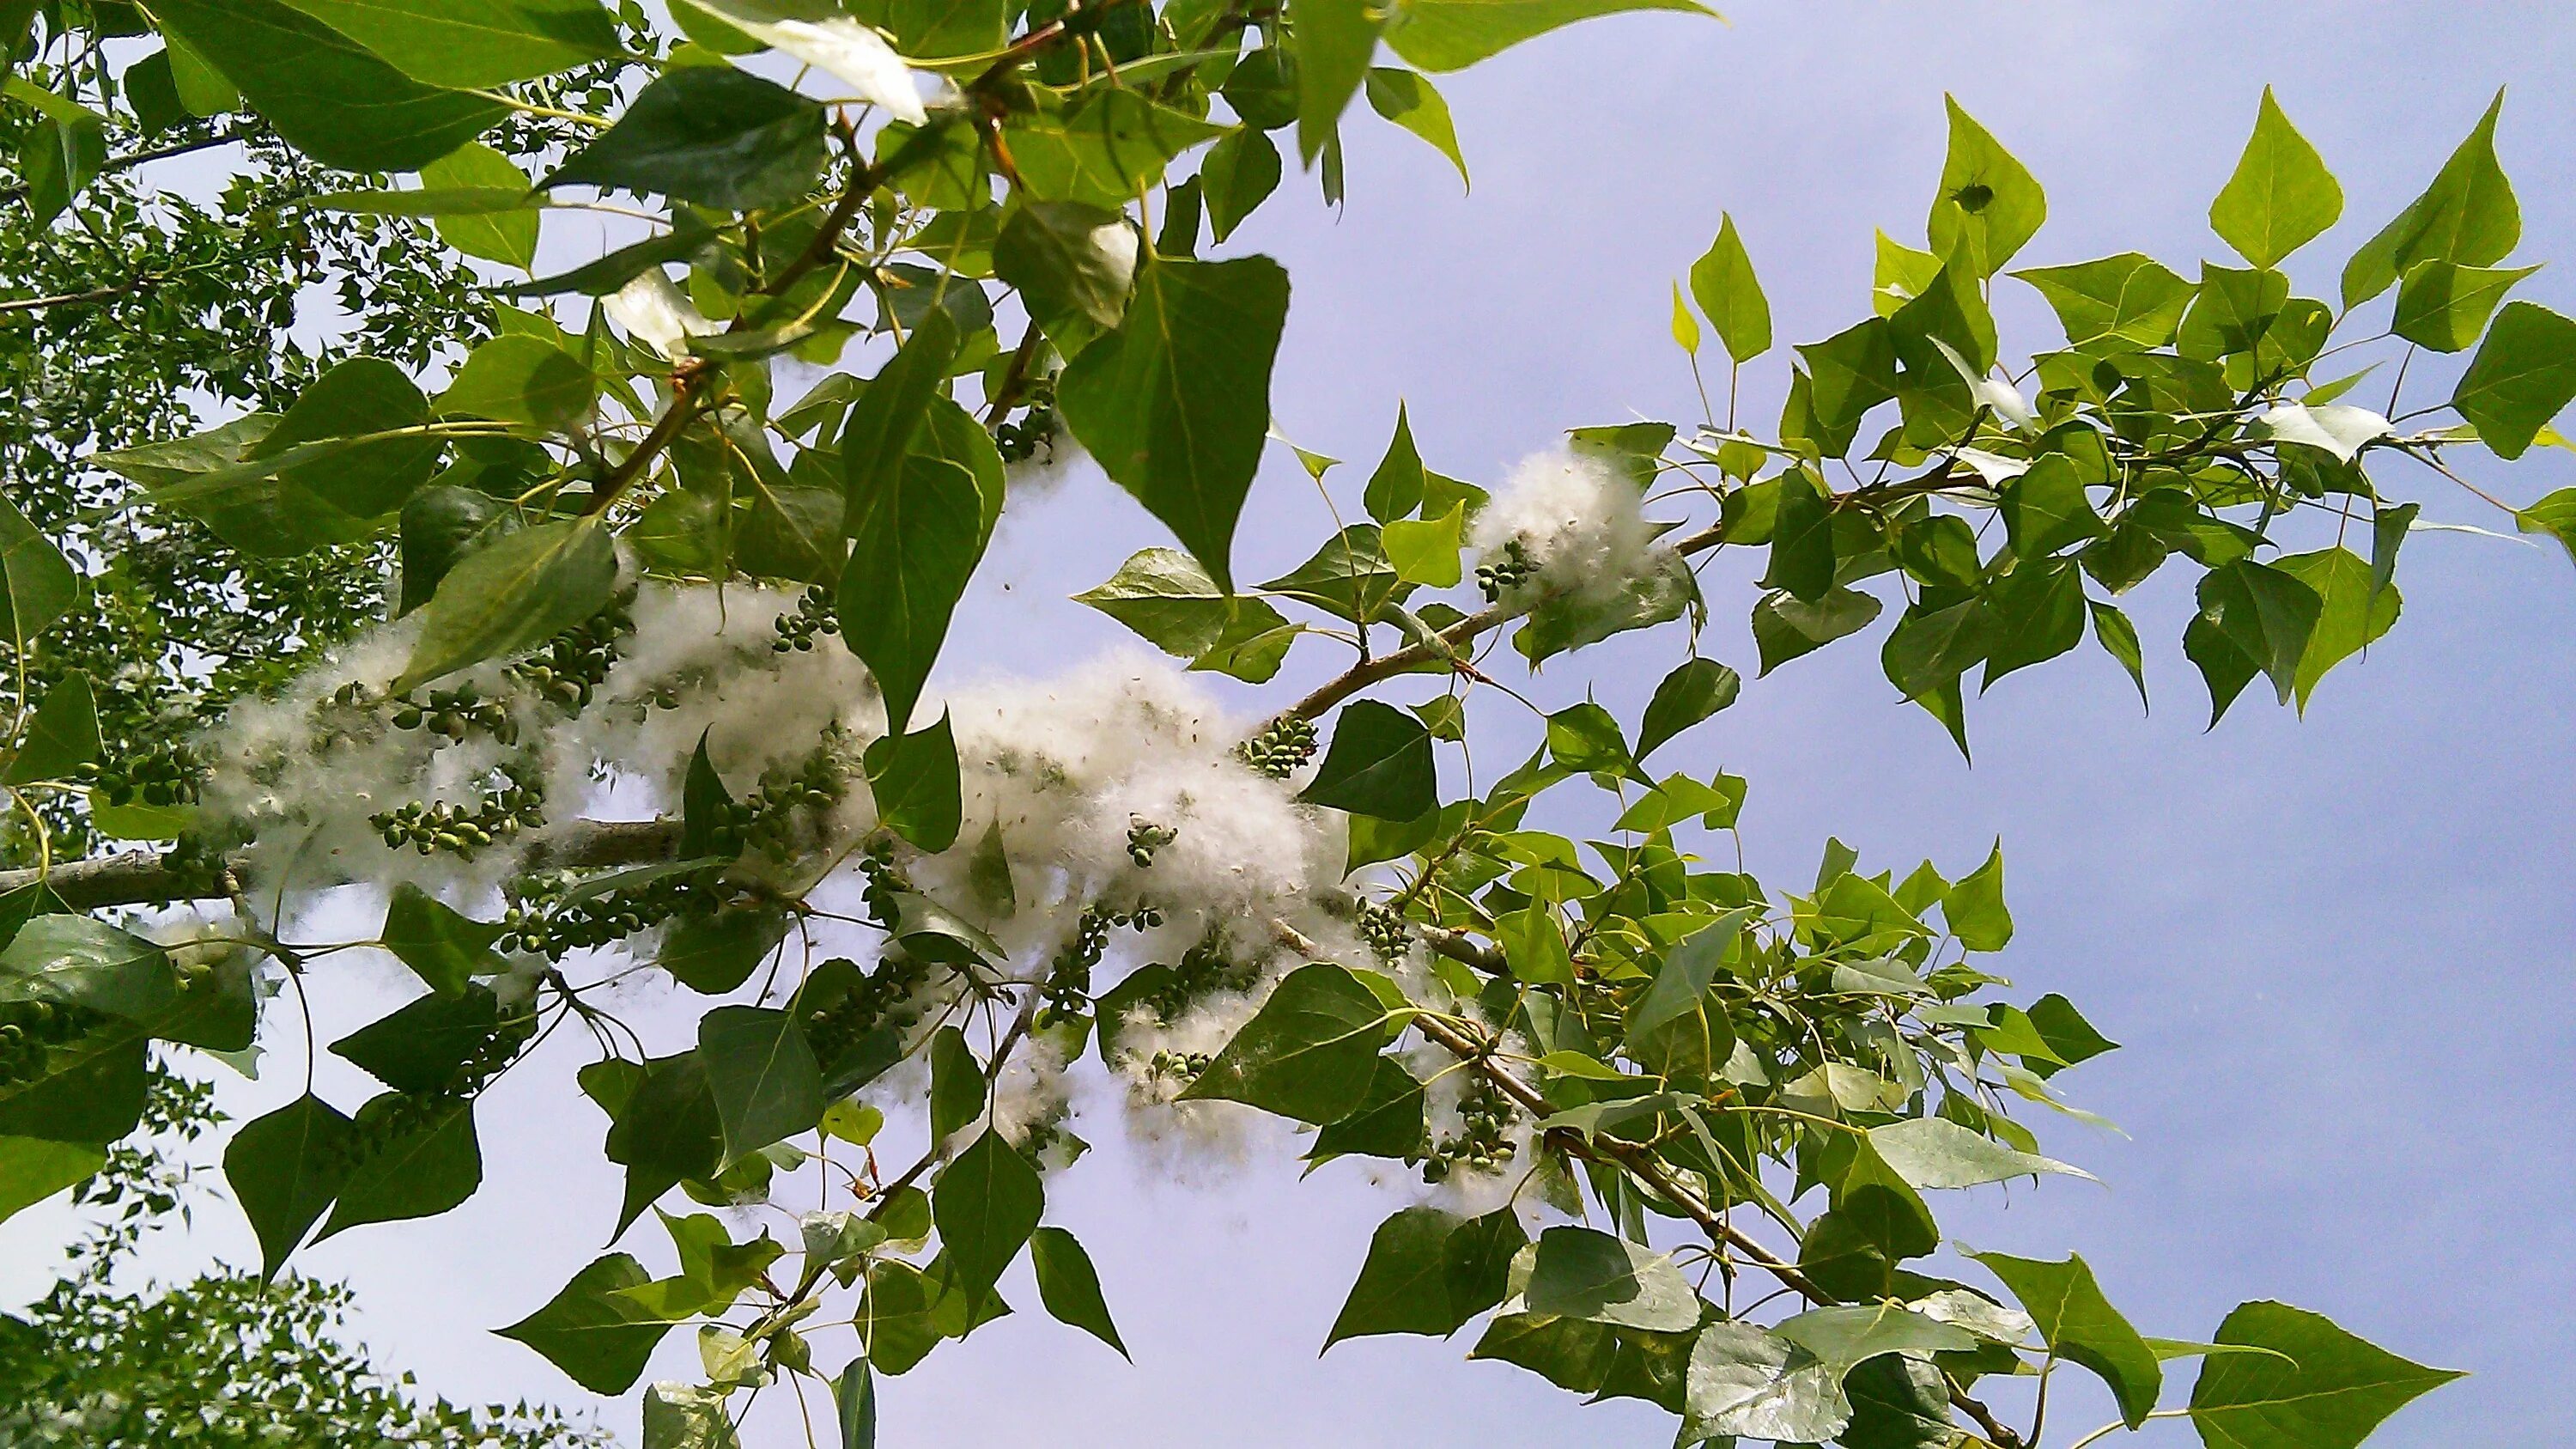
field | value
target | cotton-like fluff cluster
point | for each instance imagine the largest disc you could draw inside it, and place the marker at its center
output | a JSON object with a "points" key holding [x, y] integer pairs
{"points": [[1577, 520]]}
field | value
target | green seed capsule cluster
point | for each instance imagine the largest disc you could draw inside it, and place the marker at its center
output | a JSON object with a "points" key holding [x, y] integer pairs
{"points": [[1181, 1066], [457, 713], [1032, 434], [30, 1029], [1067, 991], [1282, 747], [1385, 932], [160, 772], [1144, 837], [1202, 971], [768, 818], [1482, 1144], [569, 668], [542, 919], [462, 830], [815, 615], [1510, 572], [835, 1029]]}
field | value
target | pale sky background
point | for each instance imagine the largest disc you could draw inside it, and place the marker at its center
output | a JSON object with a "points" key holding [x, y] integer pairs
{"points": [[2336, 951]]}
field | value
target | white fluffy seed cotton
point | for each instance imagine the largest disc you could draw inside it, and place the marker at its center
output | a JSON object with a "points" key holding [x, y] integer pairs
{"points": [[1578, 521]]}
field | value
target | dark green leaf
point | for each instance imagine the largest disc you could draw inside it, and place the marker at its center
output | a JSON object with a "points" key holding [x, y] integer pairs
{"points": [[714, 135], [956, 1084], [1410, 101], [1973, 907], [37, 584], [2444, 306], [766, 1082], [284, 1169], [986, 1204], [516, 378], [439, 525], [1380, 764], [505, 234], [420, 1047], [32, 1170], [1403, 1286], [1785, 627], [1593, 1276], [665, 1130], [1238, 173], [1440, 35], [714, 954], [1686, 696], [473, 42], [517, 590], [1309, 1053], [2046, 508], [1070, 1286], [854, 1398], [2318, 1387], [2038, 613], [592, 1331], [326, 94], [2524, 374], [1068, 259], [918, 792], [2252, 618], [1176, 403], [68, 960], [420, 1161], [2120, 640], [1388, 1122], [2080, 1325], [2351, 614], [1335, 40], [61, 738], [1802, 539], [442, 947], [915, 541]]}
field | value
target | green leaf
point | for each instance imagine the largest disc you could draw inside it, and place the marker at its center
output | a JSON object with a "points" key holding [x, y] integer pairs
{"points": [[915, 541], [1309, 1053], [360, 397], [330, 97], [32, 1170], [1395, 489], [1429, 1272], [1723, 284], [416, 1166], [1238, 173], [1579, 1273], [1802, 540], [766, 1082], [473, 43], [1973, 908], [61, 738], [2554, 515], [1409, 100], [2444, 306], [1936, 1152], [2282, 196], [1335, 40], [1165, 596], [854, 1399], [284, 1169], [37, 584], [1443, 35], [1070, 1286], [1426, 551], [420, 1046], [1534, 944], [90, 1089], [442, 947], [2123, 303], [986, 1204], [1380, 764], [1175, 404], [68, 960], [2325, 1389], [2524, 374], [1688, 695], [1747, 1381], [2081, 1326], [1785, 627], [713, 135], [2252, 618], [956, 1084], [506, 234], [516, 591], [1103, 148], [667, 1129], [2468, 215], [919, 794], [1989, 205], [818, 34], [1848, 374], [517, 378], [687, 1416], [1068, 259], [591, 1331], [1673, 1027], [2047, 508], [2037, 612], [714, 954], [1348, 576], [2350, 616]]}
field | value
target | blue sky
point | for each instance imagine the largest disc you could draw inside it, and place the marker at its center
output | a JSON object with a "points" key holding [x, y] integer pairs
{"points": [[2335, 950]]}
